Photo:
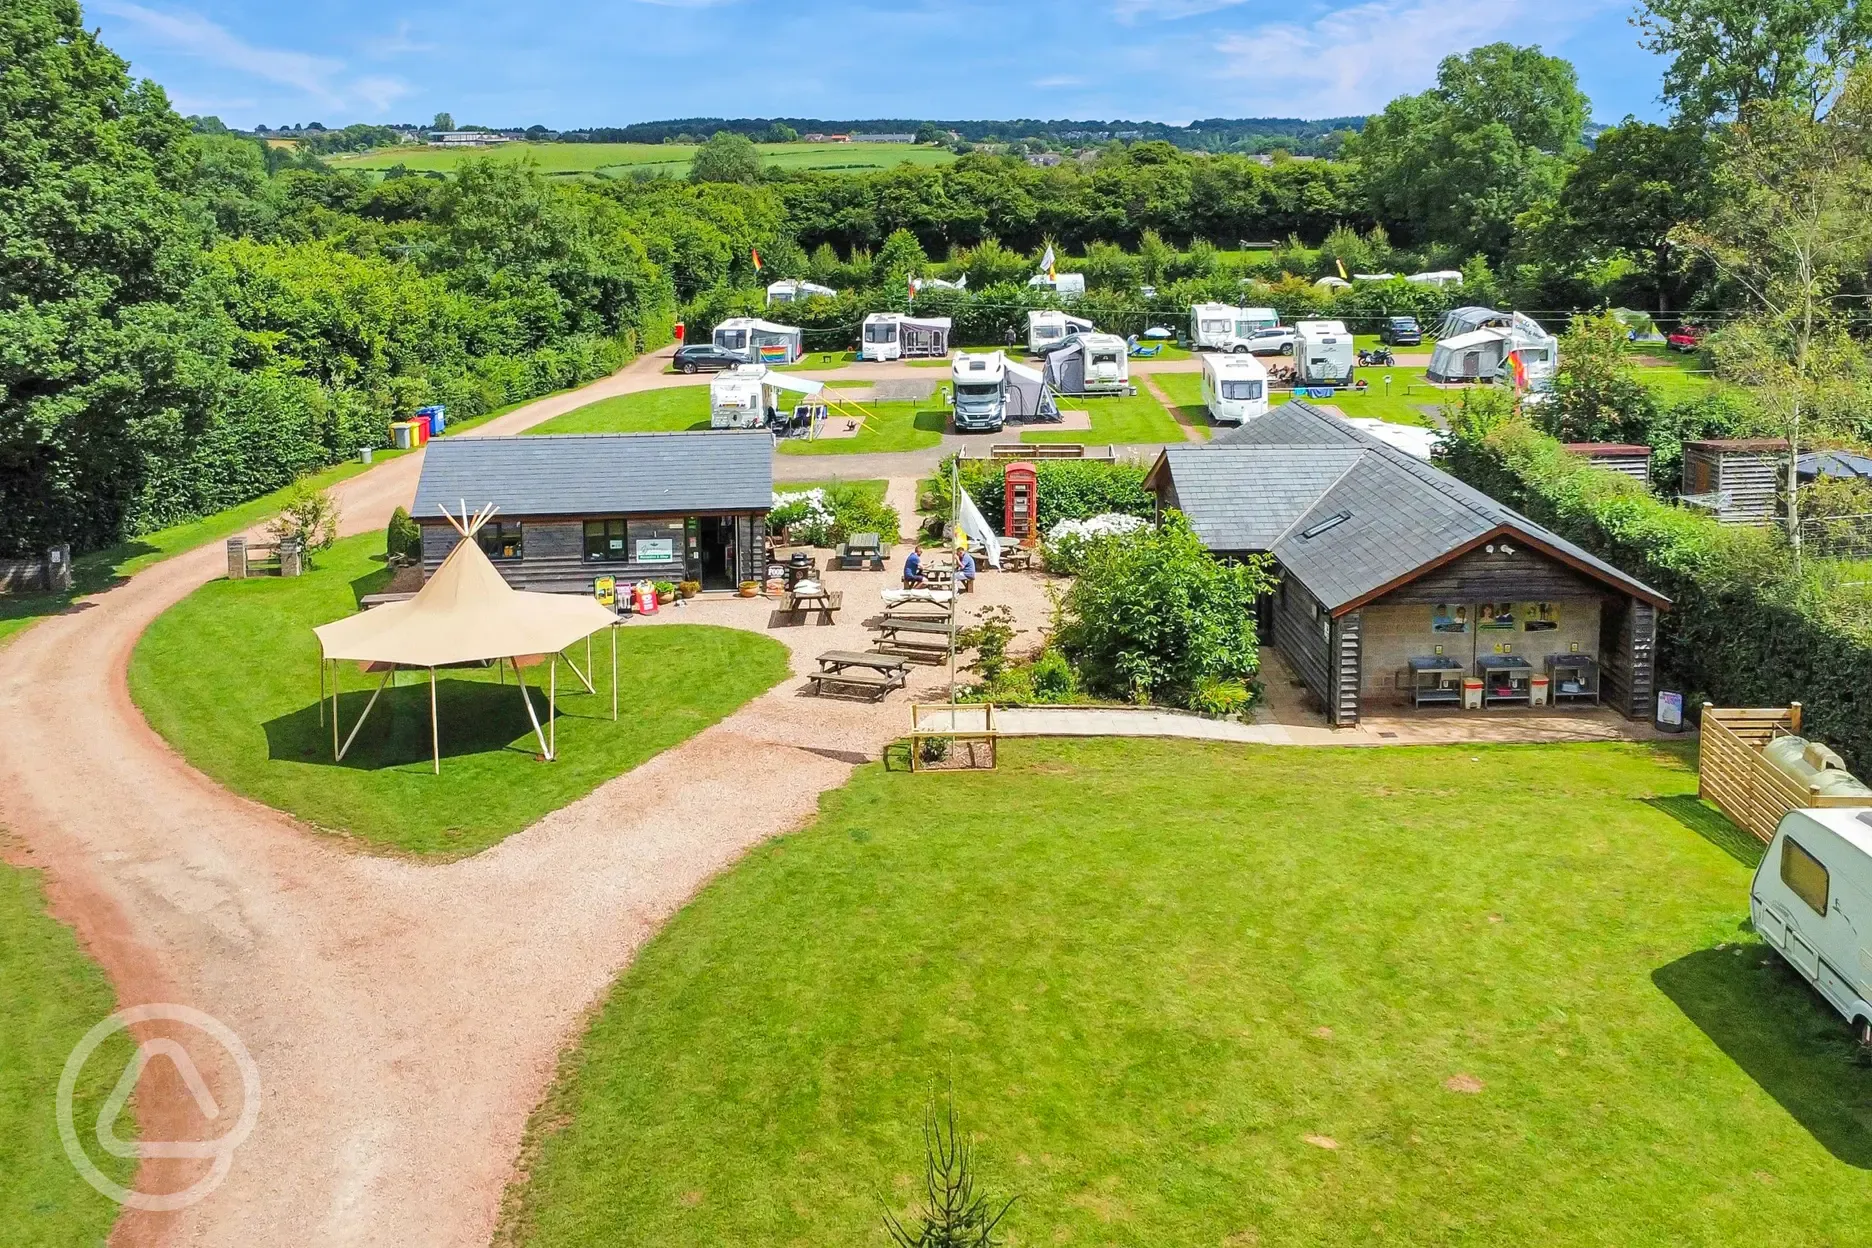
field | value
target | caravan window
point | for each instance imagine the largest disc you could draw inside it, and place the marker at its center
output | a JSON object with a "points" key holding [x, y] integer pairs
{"points": [[1804, 875], [977, 389], [1105, 357], [885, 332], [1048, 331], [731, 339], [1241, 390], [1215, 327]]}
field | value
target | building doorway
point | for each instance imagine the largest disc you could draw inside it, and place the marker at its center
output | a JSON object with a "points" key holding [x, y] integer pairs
{"points": [[717, 551]]}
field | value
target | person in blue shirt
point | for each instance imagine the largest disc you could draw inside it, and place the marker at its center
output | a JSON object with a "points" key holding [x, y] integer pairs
{"points": [[965, 571], [913, 568]]}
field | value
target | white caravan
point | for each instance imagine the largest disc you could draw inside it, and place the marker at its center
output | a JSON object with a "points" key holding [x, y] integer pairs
{"points": [[1065, 285], [1437, 277], [1046, 328], [895, 336], [1323, 354], [749, 396], [1482, 354], [1234, 388], [988, 389], [1095, 364], [759, 342], [797, 290], [1224, 327], [1812, 900]]}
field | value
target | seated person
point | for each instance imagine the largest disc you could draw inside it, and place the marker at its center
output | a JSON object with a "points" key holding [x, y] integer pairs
{"points": [[965, 571], [913, 569]]}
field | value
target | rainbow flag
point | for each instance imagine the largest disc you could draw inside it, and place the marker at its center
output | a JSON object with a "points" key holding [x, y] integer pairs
{"points": [[775, 353], [1517, 368]]}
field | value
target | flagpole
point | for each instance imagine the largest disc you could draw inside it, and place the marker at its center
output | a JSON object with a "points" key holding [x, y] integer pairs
{"points": [[955, 581]]}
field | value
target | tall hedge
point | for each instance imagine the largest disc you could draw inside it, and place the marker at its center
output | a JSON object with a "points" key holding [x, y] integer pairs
{"points": [[1069, 490], [1744, 629]]}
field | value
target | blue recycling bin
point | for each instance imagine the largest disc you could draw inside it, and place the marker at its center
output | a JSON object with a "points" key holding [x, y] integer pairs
{"points": [[436, 416]]}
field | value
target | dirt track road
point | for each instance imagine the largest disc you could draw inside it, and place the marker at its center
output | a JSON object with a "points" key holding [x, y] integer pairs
{"points": [[405, 1018]]}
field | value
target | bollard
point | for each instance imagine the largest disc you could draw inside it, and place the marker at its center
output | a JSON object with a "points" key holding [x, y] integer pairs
{"points": [[237, 558], [291, 556]]}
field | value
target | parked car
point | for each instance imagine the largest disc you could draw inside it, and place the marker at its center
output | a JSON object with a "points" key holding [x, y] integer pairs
{"points": [[1401, 331], [1811, 899], [1277, 341], [1048, 348], [1686, 338], [703, 357]]}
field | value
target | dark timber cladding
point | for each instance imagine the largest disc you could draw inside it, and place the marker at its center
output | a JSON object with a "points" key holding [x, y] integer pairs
{"points": [[635, 506], [1739, 480], [1382, 559]]}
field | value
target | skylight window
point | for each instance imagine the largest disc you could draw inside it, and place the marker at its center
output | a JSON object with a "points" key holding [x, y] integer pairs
{"points": [[1330, 522]]}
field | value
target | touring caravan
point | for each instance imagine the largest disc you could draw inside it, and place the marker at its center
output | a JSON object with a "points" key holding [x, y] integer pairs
{"points": [[1095, 364], [1223, 327], [756, 341], [1482, 354], [796, 290], [1065, 285], [895, 336], [1323, 354], [1046, 328], [1437, 277], [1812, 897], [749, 397], [989, 390], [1234, 388]]}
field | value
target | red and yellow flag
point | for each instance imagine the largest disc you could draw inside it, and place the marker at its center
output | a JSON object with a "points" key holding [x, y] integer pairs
{"points": [[755, 252]]}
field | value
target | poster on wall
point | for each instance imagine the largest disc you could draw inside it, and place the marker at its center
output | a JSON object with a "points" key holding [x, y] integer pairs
{"points": [[1447, 619], [1496, 617], [1540, 617], [604, 588], [656, 550]]}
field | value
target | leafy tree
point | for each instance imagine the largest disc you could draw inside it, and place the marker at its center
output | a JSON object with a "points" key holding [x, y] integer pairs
{"points": [[1460, 162], [901, 257], [1633, 194], [310, 516], [1153, 615], [930, 132], [443, 121], [1154, 257], [1597, 394], [108, 338], [1729, 55], [726, 157], [780, 132]]}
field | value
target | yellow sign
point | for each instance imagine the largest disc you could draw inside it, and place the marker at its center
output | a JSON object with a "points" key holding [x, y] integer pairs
{"points": [[605, 587]]}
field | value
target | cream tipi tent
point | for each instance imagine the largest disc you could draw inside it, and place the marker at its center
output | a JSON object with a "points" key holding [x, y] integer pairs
{"points": [[465, 613]]}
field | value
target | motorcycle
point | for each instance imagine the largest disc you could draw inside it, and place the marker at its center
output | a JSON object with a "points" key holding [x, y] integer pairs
{"points": [[1380, 357]]}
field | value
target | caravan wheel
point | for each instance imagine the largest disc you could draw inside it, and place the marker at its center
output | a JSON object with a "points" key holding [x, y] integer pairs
{"points": [[1862, 1032]]}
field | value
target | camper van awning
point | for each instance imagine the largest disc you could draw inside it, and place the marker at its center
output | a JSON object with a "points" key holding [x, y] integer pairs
{"points": [[1032, 376], [798, 385]]}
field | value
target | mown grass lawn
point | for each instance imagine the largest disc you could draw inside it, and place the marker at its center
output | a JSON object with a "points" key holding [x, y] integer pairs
{"points": [[51, 994], [1209, 995], [670, 409], [889, 427], [1185, 390], [1402, 404], [1118, 418], [229, 677]]}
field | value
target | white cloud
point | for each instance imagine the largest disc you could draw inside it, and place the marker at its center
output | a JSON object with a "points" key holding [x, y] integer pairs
{"points": [[321, 78], [1359, 58], [1053, 81]]}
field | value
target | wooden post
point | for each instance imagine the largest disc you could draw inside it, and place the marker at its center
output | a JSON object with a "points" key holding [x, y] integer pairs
{"points": [[435, 730]]}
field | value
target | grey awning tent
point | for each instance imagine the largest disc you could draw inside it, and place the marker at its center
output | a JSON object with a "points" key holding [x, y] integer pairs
{"points": [[1065, 369], [1839, 464], [1459, 321], [1028, 395]]}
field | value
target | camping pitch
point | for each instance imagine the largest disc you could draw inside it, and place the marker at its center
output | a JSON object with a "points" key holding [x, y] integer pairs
{"points": [[466, 613]]}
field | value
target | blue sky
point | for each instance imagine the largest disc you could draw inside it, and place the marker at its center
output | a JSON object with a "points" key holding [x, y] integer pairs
{"points": [[610, 62]]}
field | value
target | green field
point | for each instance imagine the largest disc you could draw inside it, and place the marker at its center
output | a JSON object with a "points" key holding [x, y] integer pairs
{"points": [[1401, 405], [1185, 390], [229, 677], [1674, 376], [647, 411], [1219, 995], [889, 427], [1132, 418], [626, 159], [51, 994]]}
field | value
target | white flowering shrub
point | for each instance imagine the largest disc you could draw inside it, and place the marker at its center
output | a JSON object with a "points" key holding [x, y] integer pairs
{"points": [[1066, 543]]}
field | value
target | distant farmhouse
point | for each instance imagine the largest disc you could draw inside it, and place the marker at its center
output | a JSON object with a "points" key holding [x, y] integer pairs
{"points": [[465, 138], [882, 138]]}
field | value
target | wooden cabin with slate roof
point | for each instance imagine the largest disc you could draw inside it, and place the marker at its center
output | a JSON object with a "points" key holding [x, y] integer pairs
{"points": [[1383, 559], [635, 506]]}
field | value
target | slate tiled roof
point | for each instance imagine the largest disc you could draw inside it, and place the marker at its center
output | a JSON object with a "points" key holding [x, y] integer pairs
{"points": [[1271, 485], [599, 473]]}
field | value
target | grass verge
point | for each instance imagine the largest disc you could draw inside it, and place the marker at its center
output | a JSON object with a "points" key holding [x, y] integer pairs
{"points": [[891, 427], [1135, 418], [1203, 994], [667, 410], [229, 677]]}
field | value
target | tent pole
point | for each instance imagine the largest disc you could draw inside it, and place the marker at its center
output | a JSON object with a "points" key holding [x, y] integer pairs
{"points": [[435, 729], [321, 691], [614, 673], [526, 696], [361, 718], [552, 710], [335, 712], [584, 676]]}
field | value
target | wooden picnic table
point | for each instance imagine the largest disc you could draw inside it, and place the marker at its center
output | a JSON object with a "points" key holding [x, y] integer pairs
{"points": [[877, 673], [924, 626], [823, 600], [917, 609]]}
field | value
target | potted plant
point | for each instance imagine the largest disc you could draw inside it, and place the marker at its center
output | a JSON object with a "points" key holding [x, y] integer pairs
{"points": [[691, 588], [665, 591], [750, 589]]}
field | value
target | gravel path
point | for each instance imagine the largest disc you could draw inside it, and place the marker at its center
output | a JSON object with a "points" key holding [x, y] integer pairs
{"points": [[405, 1017]]}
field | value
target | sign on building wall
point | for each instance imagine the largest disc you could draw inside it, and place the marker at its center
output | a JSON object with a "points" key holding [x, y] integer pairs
{"points": [[604, 588]]}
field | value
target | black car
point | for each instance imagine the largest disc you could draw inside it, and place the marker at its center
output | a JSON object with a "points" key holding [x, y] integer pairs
{"points": [[1401, 331], [704, 357]]}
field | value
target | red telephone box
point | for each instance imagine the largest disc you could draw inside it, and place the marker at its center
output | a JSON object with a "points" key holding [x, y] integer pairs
{"points": [[1021, 486], [679, 333]]}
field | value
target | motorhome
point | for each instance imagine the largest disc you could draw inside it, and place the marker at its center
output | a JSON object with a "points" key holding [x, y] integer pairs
{"points": [[895, 336], [1323, 353], [1812, 897], [1065, 285], [1234, 388], [1095, 364], [759, 342], [797, 290], [749, 397], [1045, 328], [988, 390], [1224, 327]]}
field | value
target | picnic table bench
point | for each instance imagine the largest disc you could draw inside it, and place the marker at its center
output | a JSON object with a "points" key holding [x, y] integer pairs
{"points": [[927, 639], [863, 550], [825, 601], [917, 609], [879, 673]]}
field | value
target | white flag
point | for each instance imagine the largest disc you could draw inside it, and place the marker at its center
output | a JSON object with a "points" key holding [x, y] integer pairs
{"points": [[969, 520], [1046, 262]]}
